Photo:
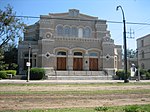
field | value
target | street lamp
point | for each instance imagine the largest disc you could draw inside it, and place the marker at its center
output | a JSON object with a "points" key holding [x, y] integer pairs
{"points": [[29, 64], [125, 45], [138, 71]]}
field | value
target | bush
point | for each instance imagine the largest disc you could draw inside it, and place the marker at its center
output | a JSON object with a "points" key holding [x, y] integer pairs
{"points": [[3, 74], [37, 73], [143, 74], [13, 72], [147, 75], [120, 74], [148, 70], [132, 108], [101, 109]]}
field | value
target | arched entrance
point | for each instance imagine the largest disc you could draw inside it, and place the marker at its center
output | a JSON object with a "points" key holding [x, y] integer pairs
{"points": [[93, 62], [61, 60], [78, 61]]}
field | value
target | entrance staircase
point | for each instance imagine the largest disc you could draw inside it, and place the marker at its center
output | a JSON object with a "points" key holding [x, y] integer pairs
{"points": [[78, 75]]}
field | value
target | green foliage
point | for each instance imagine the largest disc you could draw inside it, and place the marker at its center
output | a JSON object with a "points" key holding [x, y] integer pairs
{"points": [[13, 72], [37, 73], [133, 108], [3, 74], [148, 70], [120, 74], [101, 109], [11, 56], [131, 53], [10, 26], [145, 74]]}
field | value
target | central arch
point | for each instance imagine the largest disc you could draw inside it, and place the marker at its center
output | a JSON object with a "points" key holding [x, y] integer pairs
{"points": [[78, 61]]}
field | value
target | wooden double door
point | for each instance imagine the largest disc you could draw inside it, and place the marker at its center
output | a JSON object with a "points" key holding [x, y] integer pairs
{"points": [[61, 63], [93, 64], [78, 64]]}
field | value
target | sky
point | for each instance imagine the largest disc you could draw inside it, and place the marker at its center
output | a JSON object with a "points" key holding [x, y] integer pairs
{"points": [[136, 11]]}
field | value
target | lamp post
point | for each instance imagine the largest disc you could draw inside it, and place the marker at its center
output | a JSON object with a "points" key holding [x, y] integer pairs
{"points": [[29, 64], [125, 46], [138, 71]]}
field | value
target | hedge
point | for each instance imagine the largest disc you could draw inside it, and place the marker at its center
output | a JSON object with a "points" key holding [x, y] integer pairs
{"points": [[37, 73], [3, 74], [13, 72], [120, 74]]}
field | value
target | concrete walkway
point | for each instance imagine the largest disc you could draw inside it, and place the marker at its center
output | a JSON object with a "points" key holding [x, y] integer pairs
{"points": [[10, 81]]}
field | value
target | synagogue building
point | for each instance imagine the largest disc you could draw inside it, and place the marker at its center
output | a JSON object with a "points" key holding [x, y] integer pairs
{"points": [[69, 41]]}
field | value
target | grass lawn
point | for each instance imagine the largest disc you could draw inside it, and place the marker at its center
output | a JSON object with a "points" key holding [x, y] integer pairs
{"points": [[102, 97], [129, 108]]}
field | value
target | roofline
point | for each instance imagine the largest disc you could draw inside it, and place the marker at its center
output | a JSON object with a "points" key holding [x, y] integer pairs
{"points": [[143, 37]]}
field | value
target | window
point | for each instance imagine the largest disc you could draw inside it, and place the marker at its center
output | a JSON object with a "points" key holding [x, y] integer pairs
{"points": [[80, 35], [142, 53], [142, 66], [60, 30], [87, 32], [93, 54], [67, 31], [77, 54], [74, 32], [61, 53], [142, 43]]}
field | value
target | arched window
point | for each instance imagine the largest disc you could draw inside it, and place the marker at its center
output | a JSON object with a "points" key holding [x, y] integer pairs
{"points": [[80, 33], [61, 53], [93, 54], [67, 31], [60, 30], [74, 32], [87, 32], [77, 53]]}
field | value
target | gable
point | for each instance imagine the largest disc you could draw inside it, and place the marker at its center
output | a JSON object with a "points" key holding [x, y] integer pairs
{"points": [[72, 14]]}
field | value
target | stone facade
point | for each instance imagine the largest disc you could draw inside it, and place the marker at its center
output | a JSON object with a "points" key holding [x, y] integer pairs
{"points": [[69, 41], [143, 47]]}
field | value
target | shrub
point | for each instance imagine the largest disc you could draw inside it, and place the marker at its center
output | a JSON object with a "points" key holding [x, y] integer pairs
{"points": [[143, 74], [147, 75], [13, 72], [3, 74], [148, 70], [120, 74], [101, 109], [37, 73], [132, 108]]}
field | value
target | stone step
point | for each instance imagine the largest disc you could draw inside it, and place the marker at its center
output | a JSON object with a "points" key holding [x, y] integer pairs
{"points": [[79, 77], [76, 73]]}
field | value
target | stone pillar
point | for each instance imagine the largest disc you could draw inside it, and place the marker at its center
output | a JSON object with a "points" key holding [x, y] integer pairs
{"points": [[86, 62], [70, 61]]}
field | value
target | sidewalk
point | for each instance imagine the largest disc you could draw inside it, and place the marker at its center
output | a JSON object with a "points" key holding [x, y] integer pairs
{"points": [[10, 81]]}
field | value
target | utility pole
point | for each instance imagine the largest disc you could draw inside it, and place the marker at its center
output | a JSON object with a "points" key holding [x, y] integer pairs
{"points": [[29, 64], [131, 33], [125, 46]]}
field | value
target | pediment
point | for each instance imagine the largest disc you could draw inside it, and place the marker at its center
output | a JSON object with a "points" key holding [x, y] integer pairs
{"points": [[73, 13]]}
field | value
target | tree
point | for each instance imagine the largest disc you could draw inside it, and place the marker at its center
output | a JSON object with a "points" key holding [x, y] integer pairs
{"points": [[10, 56], [131, 53], [11, 27]]}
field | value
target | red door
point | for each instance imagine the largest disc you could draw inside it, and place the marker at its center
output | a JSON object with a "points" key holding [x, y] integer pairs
{"points": [[93, 64], [78, 64], [61, 63]]}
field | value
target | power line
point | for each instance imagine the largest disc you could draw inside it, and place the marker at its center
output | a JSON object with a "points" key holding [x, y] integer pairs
{"points": [[78, 19]]}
